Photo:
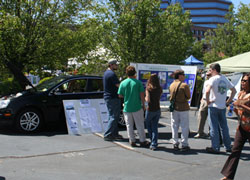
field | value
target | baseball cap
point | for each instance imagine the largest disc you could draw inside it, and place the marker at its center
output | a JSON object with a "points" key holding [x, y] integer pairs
{"points": [[112, 61]]}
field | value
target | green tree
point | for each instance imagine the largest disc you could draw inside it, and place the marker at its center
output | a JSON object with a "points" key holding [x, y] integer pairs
{"points": [[231, 38], [243, 28], [140, 31], [43, 34]]}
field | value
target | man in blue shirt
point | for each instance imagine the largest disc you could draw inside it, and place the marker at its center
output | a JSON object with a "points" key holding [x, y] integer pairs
{"points": [[111, 84]]}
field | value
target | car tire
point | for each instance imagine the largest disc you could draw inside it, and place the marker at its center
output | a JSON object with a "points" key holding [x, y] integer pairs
{"points": [[29, 120]]}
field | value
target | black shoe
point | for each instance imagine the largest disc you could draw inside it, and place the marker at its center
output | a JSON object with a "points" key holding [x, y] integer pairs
{"points": [[153, 148], [109, 138], [176, 147], [229, 150], [132, 144], [202, 136], [185, 148], [212, 151], [145, 144], [118, 137]]}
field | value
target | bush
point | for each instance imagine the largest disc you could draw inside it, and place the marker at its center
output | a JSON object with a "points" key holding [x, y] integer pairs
{"points": [[199, 82], [9, 86]]}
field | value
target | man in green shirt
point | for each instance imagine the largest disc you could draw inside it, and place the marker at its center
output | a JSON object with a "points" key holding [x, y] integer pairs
{"points": [[132, 91]]}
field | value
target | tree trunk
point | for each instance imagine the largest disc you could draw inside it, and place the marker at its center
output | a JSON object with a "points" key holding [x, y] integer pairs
{"points": [[18, 75]]}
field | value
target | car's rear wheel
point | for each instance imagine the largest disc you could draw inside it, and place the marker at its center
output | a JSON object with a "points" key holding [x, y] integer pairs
{"points": [[29, 120]]}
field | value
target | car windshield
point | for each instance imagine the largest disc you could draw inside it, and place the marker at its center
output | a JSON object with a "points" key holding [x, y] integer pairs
{"points": [[44, 86]]}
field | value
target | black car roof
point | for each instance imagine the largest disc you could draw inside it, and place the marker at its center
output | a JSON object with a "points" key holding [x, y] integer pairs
{"points": [[73, 76], [67, 77]]}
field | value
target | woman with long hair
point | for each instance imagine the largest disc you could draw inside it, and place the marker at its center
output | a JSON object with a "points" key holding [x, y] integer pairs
{"points": [[242, 109], [153, 111]]}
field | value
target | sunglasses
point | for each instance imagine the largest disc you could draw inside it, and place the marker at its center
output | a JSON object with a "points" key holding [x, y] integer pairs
{"points": [[244, 80]]}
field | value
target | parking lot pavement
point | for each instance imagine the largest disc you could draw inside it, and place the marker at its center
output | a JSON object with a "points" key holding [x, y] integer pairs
{"points": [[199, 163], [58, 156]]}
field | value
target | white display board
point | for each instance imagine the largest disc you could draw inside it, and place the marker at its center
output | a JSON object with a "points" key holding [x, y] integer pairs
{"points": [[85, 116], [164, 72]]}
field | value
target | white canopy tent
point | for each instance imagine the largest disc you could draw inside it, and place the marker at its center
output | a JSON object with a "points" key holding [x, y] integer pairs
{"points": [[238, 63]]}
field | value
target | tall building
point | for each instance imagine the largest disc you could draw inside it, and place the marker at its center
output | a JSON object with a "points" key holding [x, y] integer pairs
{"points": [[205, 14]]}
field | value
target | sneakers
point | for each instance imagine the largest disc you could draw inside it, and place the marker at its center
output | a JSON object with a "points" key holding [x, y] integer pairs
{"points": [[118, 137], [176, 147], [112, 138], [229, 150], [153, 148], [132, 144], [185, 148], [201, 136], [212, 151], [109, 138], [144, 144]]}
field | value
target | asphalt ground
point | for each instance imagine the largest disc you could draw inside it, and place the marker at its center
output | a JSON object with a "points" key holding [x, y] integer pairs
{"points": [[55, 155]]}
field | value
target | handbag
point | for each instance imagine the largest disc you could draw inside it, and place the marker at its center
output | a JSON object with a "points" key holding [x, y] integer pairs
{"points": [[172, 102]]}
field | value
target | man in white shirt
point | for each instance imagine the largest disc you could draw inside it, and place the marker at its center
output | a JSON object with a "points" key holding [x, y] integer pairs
{"points": [[216, 94]]}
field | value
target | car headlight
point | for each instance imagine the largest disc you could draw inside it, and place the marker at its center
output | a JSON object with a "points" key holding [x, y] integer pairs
{"points": [[4, 103]]}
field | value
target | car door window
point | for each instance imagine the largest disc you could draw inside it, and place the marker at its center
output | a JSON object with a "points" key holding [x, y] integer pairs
{"points": [[72, 86], [94, 85]]}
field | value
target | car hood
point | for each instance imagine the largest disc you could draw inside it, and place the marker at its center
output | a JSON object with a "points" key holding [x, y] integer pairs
{"points": [[17, 95]]}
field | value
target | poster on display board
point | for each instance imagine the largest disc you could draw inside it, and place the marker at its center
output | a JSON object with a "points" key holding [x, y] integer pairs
{"points": [[86, 116], [164, 73]]}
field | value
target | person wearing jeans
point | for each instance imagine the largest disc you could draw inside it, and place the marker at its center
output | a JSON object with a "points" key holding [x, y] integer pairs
{"points": [[218, 119], [153, 112], [114, 109], [111, 84], [216, 94]]}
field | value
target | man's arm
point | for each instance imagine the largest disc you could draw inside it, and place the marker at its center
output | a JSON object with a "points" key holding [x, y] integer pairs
{"points": [[187, 92], [233, 92], [208, 89], [120, 96], [147, 96]]}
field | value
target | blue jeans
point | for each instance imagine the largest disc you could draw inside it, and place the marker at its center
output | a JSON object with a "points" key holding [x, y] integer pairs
{"points": [[152, 119], [218, 122], [114, 108]]}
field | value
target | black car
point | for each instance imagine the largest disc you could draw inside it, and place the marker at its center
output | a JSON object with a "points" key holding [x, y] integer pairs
{"points": [[31, 109]]}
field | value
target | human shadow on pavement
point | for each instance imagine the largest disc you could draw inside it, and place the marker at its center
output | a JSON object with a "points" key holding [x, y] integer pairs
{"points": [[165, 135], [168, 135], [176, 152]]}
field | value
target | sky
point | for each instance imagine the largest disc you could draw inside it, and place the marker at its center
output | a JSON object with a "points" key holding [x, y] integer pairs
{"points": [[237, 2]]}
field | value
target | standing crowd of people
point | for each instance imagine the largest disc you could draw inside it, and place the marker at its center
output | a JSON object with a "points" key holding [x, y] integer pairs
{"points": [[213, 106]]}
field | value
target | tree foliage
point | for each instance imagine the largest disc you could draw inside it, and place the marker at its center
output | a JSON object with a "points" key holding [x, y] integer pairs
{"points": [[229, 39], [140, 31], [43, 34]]}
